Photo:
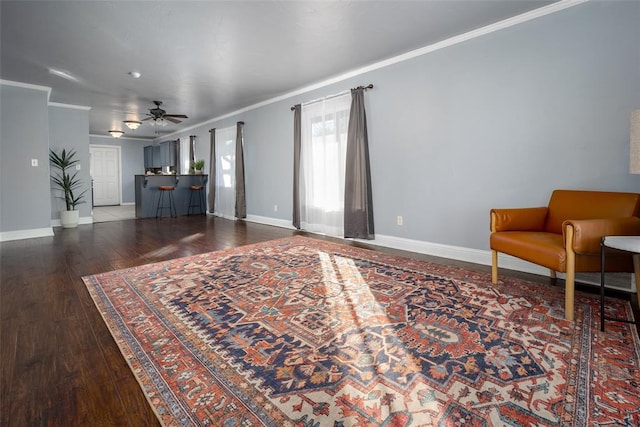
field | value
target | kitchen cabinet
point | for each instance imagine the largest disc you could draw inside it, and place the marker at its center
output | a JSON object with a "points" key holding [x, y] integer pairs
{"points": [[152, 157], [167, 153], [157, 158], [164, 154], [148, 157]]}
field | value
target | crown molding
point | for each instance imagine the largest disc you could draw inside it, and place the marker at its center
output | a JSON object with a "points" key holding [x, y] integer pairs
{"points": [[27, 86], [75, 107], [92, 135], [452, 41]]}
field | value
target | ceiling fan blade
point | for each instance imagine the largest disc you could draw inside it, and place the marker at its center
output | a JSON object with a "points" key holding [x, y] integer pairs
{"points": [[179, 116], [172, 120], [148, 118]]}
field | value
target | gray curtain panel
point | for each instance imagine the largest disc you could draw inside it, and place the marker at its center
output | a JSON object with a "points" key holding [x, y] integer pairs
{"points": [[192, 150], [241, 202], [358, 198], [212, 171], [297, 141], [180, 167]]}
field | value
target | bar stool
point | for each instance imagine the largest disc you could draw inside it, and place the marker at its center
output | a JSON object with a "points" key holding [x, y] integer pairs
{"points": [[200, 192], [162, 189]]}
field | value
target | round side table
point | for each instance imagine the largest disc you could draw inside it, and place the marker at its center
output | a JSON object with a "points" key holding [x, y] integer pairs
{"points": [[622, 243]]}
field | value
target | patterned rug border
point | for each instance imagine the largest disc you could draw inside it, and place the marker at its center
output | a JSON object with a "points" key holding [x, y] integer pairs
{"points": [[586, 304]]}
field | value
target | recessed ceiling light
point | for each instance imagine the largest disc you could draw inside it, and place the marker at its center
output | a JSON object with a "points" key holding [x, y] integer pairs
{"points": [[135, 74], [63, 74]]}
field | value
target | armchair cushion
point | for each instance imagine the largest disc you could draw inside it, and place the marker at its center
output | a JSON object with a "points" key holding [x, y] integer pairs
{"points": [[538, 247]]}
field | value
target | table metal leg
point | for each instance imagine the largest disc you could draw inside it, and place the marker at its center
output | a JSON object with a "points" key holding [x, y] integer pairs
{"points": [[602, 285]]}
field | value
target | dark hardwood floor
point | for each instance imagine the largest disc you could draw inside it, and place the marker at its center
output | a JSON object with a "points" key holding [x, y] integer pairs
{"points": [[59, 365]]}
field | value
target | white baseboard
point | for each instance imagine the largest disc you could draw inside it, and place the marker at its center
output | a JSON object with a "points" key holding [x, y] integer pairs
{"points": [[619, 281], [283, 223], [33, 233], [81, 220], [229, 217], [476, 256]]}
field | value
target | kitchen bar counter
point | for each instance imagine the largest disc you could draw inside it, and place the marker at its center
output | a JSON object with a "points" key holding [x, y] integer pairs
{"points": [[147, 193]]}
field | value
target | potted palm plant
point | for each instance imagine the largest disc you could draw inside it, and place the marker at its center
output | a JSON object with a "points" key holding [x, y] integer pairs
{"points": [[68, 184], [198, 166]]}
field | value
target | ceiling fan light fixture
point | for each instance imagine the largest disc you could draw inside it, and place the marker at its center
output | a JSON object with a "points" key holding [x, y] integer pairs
{"points": [[132, 124], [159, 122], [116, 133]]}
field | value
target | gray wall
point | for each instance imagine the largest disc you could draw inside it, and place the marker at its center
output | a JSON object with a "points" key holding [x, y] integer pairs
{"points": [[132, 154], [500, 120], [69, 130], [24, 135], [504, 119], [497, 121]]}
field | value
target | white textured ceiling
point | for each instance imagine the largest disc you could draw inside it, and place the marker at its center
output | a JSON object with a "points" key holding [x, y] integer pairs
{"points": [[208, 58]]}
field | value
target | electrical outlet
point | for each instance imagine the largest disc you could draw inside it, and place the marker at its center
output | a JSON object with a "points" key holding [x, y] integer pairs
{"points": [[78, 167], [275, 208], [34, 162], [399, 220]]}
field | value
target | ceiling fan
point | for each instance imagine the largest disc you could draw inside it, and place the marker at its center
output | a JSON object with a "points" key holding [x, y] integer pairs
{"points": [[158, 114]]}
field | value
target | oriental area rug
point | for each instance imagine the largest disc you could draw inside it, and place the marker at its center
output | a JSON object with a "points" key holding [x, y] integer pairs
{"points": [[303, 332]]}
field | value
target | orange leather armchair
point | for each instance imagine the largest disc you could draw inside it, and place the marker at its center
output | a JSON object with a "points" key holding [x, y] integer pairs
{"points": [[565, 236]]}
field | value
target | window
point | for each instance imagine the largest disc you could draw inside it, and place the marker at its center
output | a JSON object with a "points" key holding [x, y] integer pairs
{"points": [[324, 127], [225, 179], [185, 162]]}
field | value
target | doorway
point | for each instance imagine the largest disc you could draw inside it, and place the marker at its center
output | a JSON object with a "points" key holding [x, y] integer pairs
{"points": [[113, 213], [105, 166]]}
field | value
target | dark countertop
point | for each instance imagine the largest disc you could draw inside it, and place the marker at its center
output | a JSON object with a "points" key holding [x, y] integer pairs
{"points": [[182, 174]]}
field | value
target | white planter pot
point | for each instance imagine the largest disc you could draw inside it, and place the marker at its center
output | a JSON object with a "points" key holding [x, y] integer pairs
{"points": [[69, 219]]}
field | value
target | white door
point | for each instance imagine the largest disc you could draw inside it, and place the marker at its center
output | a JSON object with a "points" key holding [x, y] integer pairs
{"points": [[105, 173]]}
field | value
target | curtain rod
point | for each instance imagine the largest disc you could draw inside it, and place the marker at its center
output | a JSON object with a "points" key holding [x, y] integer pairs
{"points": [[369, 86]]}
